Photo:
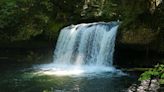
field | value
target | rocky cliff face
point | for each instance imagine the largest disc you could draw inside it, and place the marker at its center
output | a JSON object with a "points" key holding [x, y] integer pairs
{"points": [[142, 36], [139, 47]]}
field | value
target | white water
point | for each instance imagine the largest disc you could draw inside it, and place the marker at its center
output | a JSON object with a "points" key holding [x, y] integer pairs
{"points": [[84, 48]]}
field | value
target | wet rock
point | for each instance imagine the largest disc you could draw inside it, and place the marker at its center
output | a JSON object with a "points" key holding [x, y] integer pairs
{"points": [[145, 86], [133, 88]]}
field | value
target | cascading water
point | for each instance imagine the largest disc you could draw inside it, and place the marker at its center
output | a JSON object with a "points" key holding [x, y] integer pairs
{"points": [[86, 44], [84, 48]]}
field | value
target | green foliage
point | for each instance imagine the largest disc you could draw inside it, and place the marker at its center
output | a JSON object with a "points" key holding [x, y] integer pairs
{"points": [[156, 72], [67, 10], [111, 9], [25, 19], [54, 28], [161, 81]]}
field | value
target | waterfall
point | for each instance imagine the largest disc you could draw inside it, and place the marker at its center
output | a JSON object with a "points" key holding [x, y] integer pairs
{"points": [[86, 47], [90, 44]]}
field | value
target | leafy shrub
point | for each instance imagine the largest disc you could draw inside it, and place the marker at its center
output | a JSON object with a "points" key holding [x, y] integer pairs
{"points": [[156, 72]]}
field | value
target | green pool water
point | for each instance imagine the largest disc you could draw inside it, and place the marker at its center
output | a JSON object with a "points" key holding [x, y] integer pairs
{"points": [[23, 78]]}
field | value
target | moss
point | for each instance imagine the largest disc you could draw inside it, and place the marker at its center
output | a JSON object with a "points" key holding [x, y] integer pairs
{"points": [[161, 81], [54, 29], [135, 69]]}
